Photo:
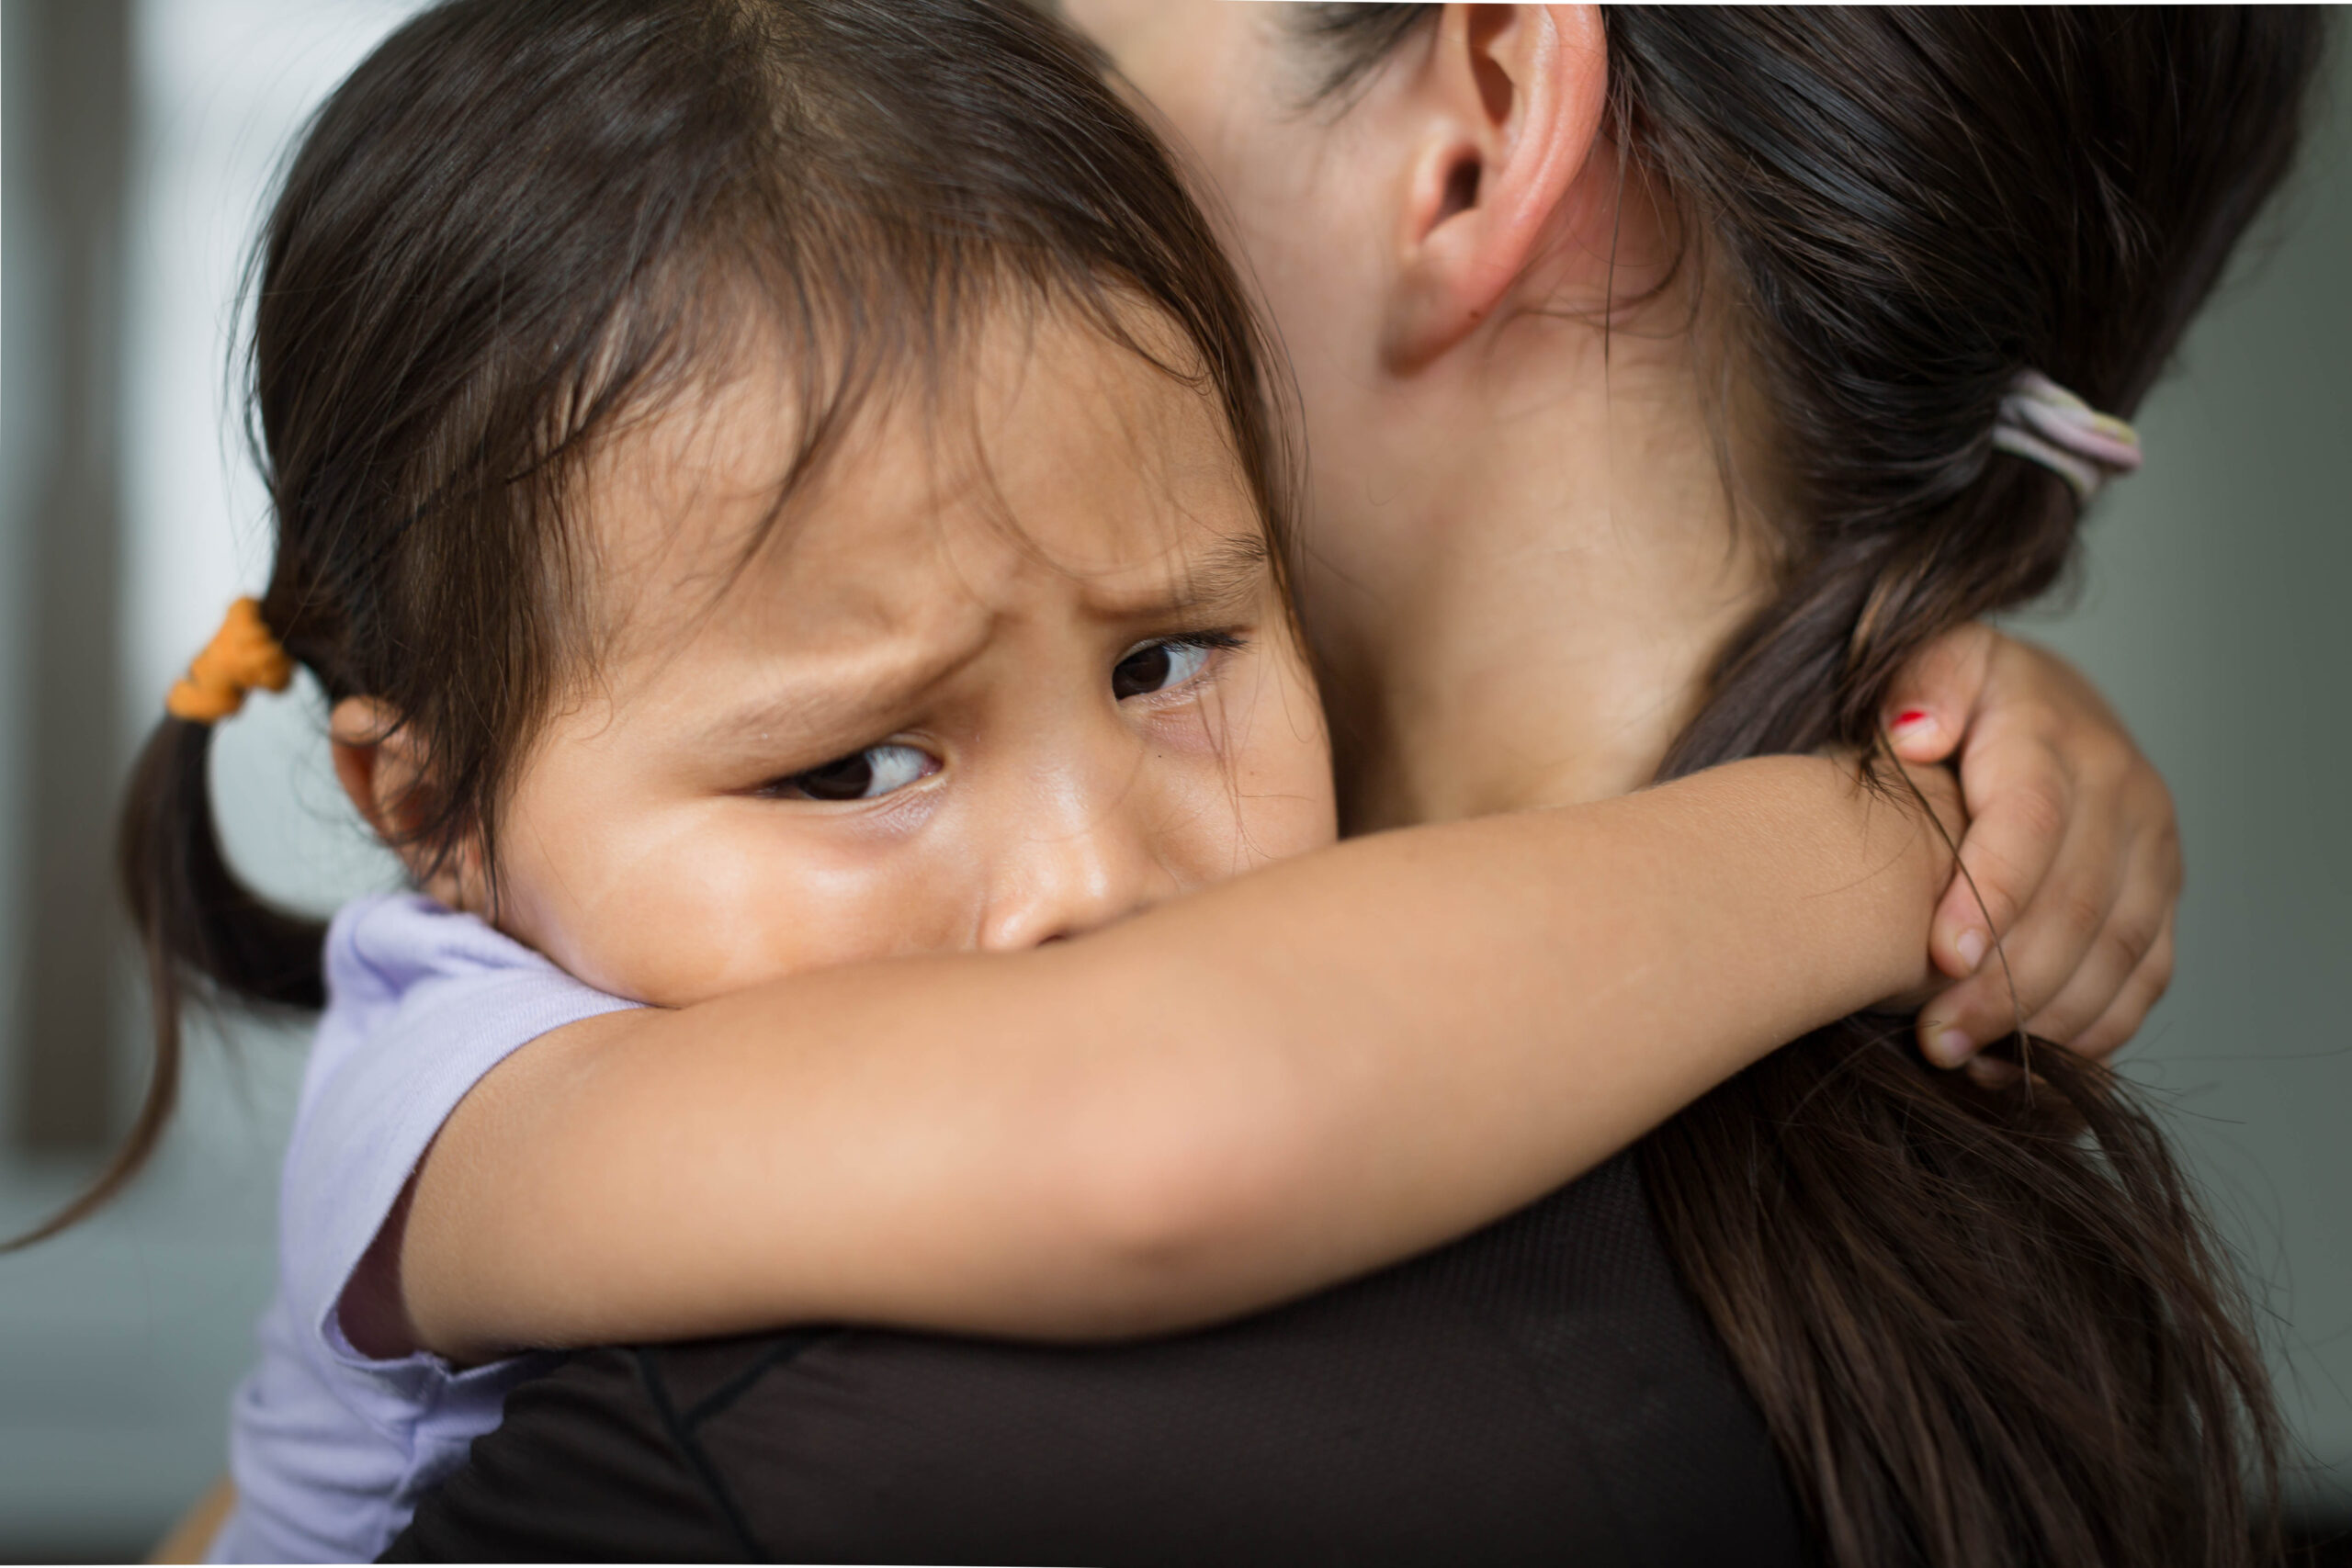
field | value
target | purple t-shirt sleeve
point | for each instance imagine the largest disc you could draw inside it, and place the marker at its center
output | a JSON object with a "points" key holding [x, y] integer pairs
{"points": [[423, 1004], [330, 1447]]}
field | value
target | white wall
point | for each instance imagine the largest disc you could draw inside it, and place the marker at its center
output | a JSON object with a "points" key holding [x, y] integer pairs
{"points": [[119, 1341], [24, 430]]}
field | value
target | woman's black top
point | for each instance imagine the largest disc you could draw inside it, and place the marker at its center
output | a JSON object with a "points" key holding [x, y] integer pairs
{"points": [[1543, 1391]]}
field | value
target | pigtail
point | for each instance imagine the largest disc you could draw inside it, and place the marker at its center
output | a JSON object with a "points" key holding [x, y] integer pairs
{"points": [[203, 934], [196, 920]]}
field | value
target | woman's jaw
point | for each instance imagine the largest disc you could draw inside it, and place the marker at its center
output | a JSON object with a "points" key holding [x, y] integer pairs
{"points": [[1520, 548]]}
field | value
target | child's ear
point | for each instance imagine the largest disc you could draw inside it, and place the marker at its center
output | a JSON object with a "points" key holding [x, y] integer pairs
{"points": [[1508, 102], [381, 769]]}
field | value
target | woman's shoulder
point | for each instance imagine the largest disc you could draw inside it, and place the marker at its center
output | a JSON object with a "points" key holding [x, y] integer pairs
{"points": [[1540, 1390]]}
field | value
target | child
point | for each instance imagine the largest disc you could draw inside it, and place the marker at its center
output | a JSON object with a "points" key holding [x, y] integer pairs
{"points": [[770, 486]]}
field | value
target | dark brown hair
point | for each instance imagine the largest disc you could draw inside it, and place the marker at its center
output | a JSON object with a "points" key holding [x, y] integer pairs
{"points": [[1984, 1328], [520, 224]]}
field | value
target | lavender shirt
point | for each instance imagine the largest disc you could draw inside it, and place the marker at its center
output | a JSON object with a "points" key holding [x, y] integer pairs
{"points": [[332, 1449]]}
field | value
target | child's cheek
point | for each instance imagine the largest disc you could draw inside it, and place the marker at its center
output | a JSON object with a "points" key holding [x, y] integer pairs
{"points": [[741, 892], [1258, 788], [1281, 753]]}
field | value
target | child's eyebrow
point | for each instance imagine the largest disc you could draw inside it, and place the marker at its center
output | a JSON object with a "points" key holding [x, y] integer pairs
{"points": [[837, 694], [1234, 570], [1224, 576]]}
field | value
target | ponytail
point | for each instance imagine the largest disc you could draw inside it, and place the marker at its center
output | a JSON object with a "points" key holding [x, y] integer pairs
{"points": [[203, 933], [1986, 1325]]}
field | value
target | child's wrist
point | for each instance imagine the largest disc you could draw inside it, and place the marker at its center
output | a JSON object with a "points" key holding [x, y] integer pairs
{"points": [[1927, 801]]}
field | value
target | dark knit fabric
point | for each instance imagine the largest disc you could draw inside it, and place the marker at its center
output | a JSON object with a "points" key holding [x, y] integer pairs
{"points": [[1543, 1391]]}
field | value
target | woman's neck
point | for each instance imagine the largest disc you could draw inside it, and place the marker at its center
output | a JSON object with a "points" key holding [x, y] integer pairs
{"points": [[1562, 566]]}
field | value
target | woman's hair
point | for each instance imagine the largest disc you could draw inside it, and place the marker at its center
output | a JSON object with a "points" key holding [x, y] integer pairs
{"points": [[1985, 1327], [521, 225]]}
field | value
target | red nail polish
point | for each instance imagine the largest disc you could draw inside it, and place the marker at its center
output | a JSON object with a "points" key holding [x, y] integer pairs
{"points": [[1908, 717]]}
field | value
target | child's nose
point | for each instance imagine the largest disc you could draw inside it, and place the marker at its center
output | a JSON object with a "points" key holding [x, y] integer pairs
{"points": [[1076, 875]]}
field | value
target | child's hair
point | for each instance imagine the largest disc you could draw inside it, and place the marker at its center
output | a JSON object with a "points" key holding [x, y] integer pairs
{"points": [[521, 224], [1985, 1327]]}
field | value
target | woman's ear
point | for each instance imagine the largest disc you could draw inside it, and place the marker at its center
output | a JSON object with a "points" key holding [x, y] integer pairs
{"points": [[378, 764], [1509, 108]]}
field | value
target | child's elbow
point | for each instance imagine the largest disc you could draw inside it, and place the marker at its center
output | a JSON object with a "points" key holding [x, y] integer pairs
{"points": [[1190, 1214]]}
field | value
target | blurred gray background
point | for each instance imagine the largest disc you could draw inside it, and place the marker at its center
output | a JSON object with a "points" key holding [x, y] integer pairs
{"points": [[137, 141]]}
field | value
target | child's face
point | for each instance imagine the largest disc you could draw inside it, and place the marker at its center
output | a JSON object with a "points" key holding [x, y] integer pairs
{"points": [[1003, 674]]}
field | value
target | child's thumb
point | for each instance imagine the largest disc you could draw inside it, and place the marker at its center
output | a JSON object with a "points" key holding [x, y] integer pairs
{"points": [[1928, 711]]}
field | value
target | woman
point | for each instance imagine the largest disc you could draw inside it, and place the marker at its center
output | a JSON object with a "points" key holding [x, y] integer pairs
{"points": [[1667, 246], [1652, 366]]}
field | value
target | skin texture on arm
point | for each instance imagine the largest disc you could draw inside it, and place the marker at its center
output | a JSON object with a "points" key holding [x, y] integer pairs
{"points": [[1232, 1099]]}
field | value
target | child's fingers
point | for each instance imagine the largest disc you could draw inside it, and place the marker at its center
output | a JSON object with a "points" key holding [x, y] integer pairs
{"points": [[2071, 855], [2020, 801], [2089, 949], [2130, 1009], [2127, 940], [2057, 931]]}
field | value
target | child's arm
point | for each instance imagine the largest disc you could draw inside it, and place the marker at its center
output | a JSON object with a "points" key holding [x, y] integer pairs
{"points": [[1264, 1087]]}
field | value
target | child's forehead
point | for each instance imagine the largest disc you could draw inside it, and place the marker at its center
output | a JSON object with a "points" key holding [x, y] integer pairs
{"points": [[1044, 459]]}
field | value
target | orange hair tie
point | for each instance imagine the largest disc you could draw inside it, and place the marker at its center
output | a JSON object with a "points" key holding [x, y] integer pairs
{"points": [[241, 656]]}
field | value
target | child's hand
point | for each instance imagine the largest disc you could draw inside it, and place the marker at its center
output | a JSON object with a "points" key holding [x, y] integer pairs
{"points": [[2073, 847]]}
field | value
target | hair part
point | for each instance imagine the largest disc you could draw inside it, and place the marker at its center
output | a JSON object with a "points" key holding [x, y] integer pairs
{"points": [[1985, 1327], [520, 227]]}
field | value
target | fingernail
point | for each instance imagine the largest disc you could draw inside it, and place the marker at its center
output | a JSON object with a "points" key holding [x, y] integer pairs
{"points": [[1909, 719], [1972, 944], [1951, 1047]]}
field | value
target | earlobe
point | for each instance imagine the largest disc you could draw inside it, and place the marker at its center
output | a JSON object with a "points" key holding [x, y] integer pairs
{"points": [[1513, 97], [376, 762], [373, 765], [360, 732]]}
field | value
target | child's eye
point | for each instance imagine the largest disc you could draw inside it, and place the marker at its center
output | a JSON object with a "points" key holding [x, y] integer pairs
{"points": [[1158, 666], [862, 775]]}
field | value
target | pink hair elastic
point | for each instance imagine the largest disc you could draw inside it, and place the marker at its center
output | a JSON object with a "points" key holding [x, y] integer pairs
{"points": [[2043, 421]]}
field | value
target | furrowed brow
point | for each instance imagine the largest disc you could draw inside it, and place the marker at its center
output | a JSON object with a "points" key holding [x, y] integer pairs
{"points": [[833, 698], [1228, 575]]}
